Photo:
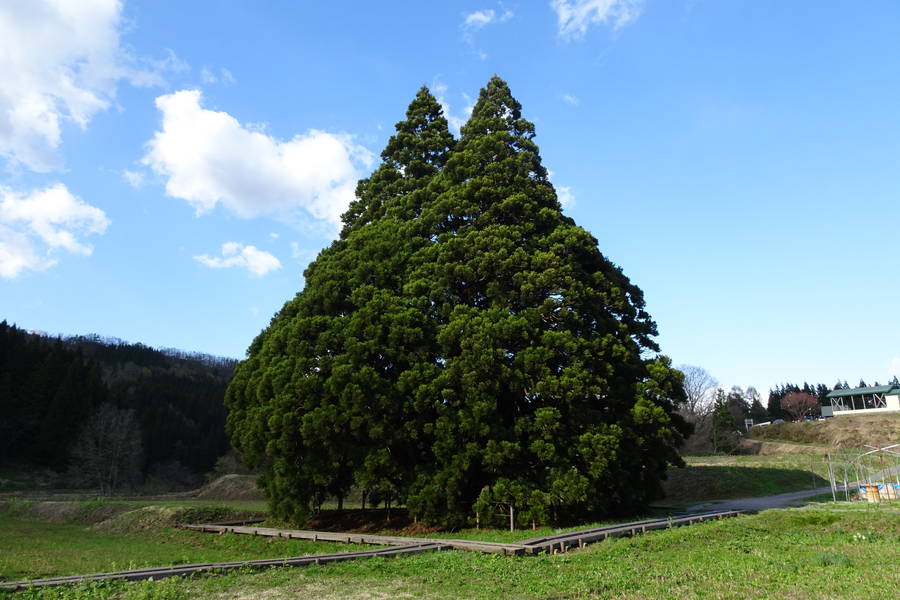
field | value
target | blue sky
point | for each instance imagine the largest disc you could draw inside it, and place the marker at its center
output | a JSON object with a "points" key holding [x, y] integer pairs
{"points": [[167, 169]]}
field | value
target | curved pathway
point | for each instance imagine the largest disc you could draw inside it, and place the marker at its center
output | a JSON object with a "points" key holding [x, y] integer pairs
{"points": [[762, 502]]}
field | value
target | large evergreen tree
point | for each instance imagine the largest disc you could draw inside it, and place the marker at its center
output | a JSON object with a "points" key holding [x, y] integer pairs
{"points": [[463, 346], [327, 393], [544, 400]]}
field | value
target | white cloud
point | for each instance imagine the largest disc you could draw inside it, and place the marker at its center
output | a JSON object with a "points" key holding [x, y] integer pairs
{"points": [[209, 158], [454, 121], [35, 226], [575, 16], [565, 196], [257, 262], [570, 99], [134, 178], [60, 61], [273, 235]]}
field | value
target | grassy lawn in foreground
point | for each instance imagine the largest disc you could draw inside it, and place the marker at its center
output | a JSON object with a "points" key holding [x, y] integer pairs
{"points": [[32, 549], [798, 554]]}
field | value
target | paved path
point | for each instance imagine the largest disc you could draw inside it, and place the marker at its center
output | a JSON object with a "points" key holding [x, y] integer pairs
{"points": [[762, 502]]}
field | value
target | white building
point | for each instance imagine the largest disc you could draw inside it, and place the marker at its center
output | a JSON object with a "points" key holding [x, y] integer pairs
{"points": [[867, 400]]}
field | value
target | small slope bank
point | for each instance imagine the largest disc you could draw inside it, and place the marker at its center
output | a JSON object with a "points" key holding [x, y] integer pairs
{"points": [[119, 516], [846, 431]]}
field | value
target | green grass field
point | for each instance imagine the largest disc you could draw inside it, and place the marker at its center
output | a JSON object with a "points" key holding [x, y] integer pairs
{"points": [[798, 554], [33, 548], [838, 550]]}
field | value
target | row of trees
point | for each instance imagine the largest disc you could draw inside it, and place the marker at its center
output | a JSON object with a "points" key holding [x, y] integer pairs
{"points": [[65, 399], [463, 348], [718, 415]]}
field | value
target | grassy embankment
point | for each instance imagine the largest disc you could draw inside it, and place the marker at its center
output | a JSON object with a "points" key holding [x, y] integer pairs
{"points": [[847, 432], [722, 477], [817, 553]]}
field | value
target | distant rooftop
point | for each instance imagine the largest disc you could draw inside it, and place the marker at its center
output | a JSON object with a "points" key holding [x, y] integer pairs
{"points": [[888, 390]]}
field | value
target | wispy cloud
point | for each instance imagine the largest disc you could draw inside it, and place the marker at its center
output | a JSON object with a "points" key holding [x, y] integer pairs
{"points": [[563, 193], [565, 196], [134, 178], [575, 16], [570, 99], [257, 262], [454, 120], [480, 19], [210, 76]]}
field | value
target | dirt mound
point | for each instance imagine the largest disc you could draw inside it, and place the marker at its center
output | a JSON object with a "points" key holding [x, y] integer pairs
{"points": [[748, 446], [845, 431], [158, 517], [231, 487], [52, 511]]}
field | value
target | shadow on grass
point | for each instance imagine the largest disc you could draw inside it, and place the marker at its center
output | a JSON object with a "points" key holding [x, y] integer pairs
{"points": [[721, 482]]}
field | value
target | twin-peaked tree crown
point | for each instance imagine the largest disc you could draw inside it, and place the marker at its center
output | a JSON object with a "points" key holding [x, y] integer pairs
{"points": [[463, 347]]}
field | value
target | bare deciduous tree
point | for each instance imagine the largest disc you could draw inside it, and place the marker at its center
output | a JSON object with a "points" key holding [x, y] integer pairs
{"points": [[107, 452], [699, 389], [799, 405]]}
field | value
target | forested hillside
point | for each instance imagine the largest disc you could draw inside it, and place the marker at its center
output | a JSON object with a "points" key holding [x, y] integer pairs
{"points": [[63, 399]]}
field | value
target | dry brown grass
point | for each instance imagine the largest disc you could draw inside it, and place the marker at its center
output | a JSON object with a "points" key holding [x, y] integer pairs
{"points": [[845, 431], [232, 487]]}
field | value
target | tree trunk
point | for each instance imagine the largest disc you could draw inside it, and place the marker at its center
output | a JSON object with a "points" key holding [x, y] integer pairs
{"points": [[512, 518]]}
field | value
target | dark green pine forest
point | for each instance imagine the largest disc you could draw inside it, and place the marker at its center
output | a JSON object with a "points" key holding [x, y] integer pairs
{"points": [[463, 349], [76, 405]]}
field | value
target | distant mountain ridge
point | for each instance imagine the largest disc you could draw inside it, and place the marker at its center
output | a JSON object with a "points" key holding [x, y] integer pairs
{"points": [[51, 386]]}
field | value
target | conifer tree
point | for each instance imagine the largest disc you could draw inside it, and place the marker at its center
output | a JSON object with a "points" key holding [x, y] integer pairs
{"points": [[463, 346], [325, 394], [544, 400]]}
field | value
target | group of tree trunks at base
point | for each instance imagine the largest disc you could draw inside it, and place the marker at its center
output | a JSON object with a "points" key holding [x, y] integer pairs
{"points": [[463, 348]]}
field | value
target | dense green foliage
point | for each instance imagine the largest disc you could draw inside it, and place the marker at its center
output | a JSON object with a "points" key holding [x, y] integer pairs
{"points": [[50, 388], [464, 347]]}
